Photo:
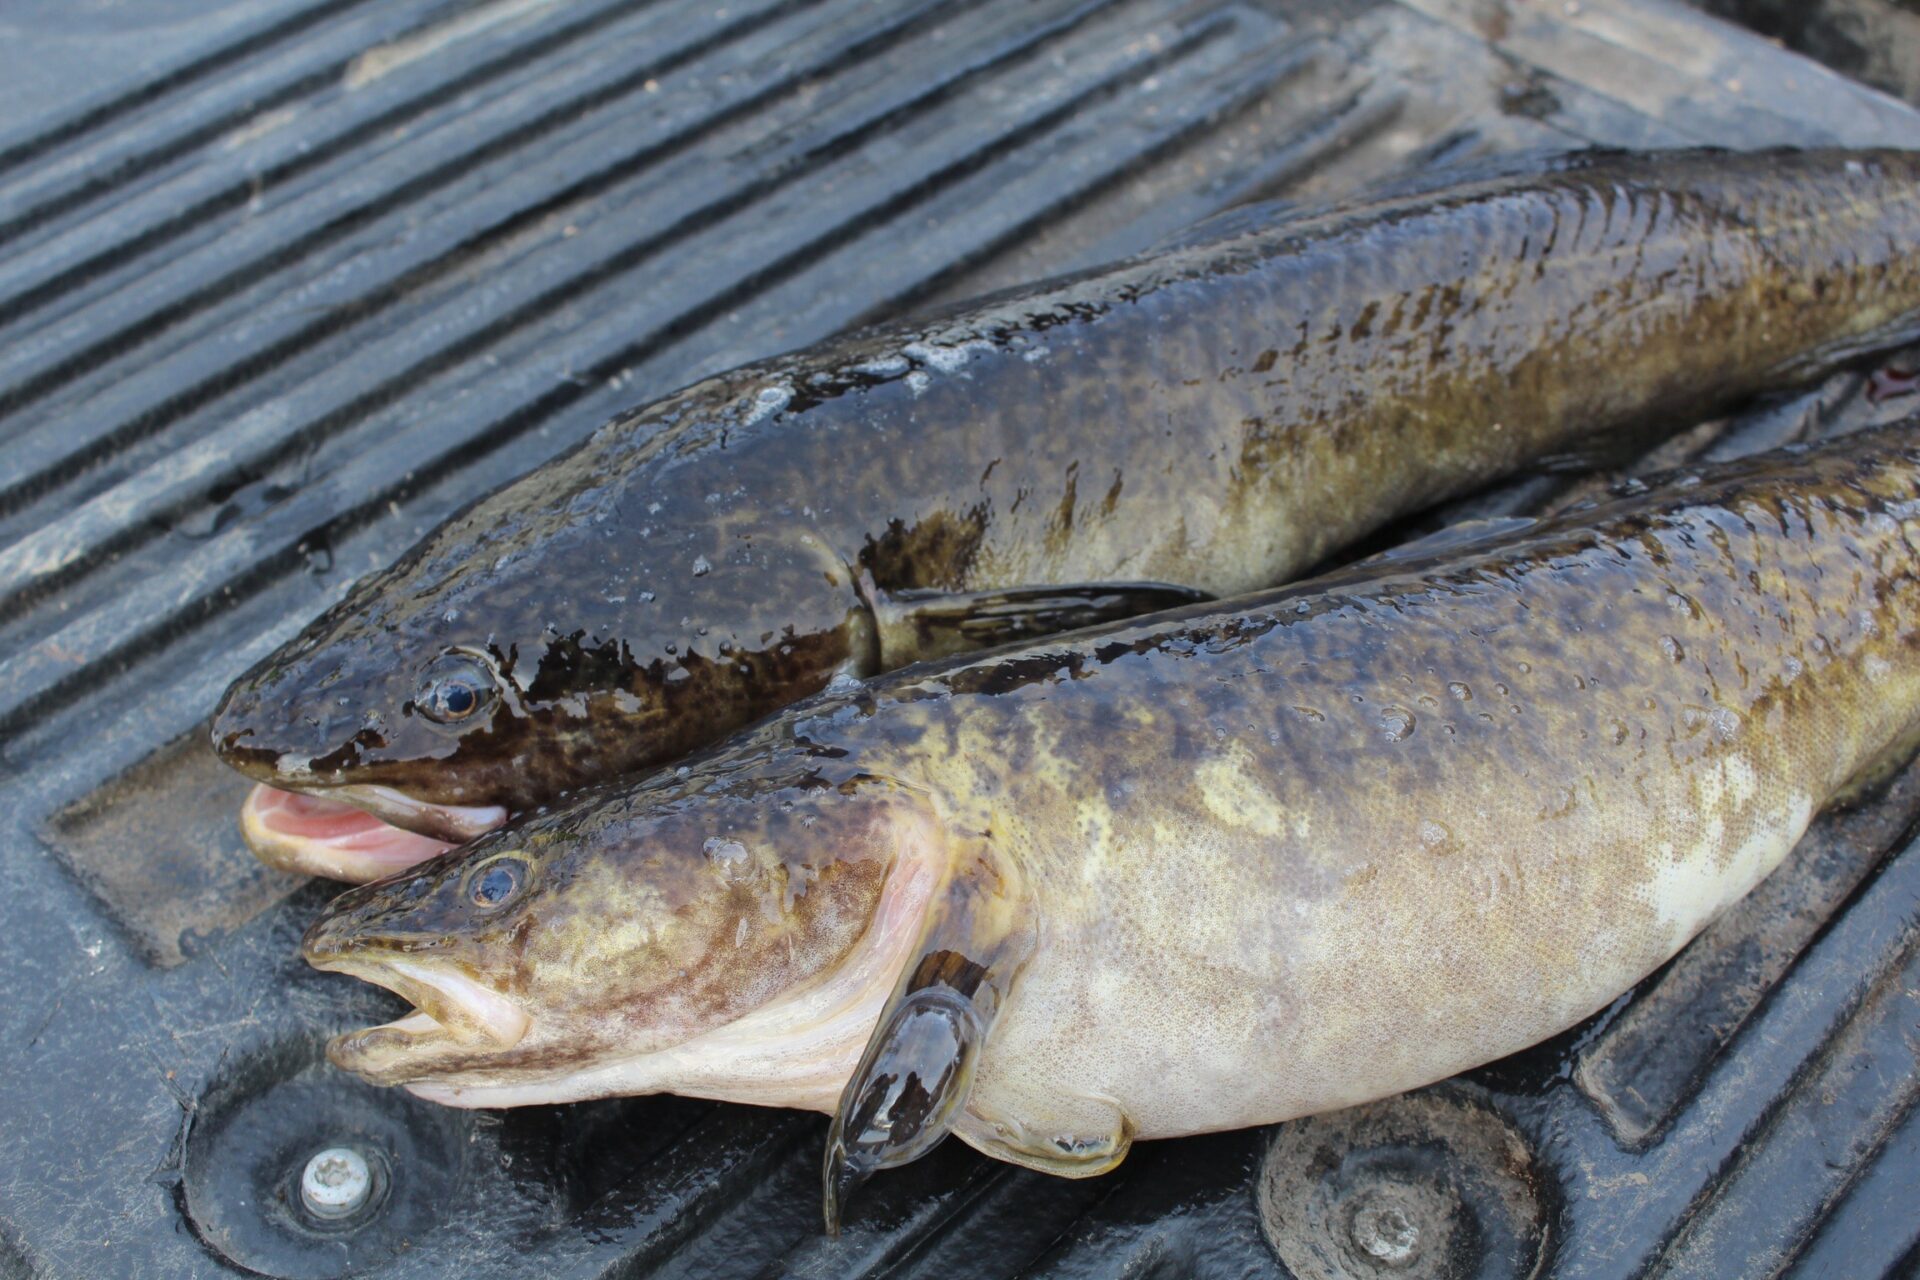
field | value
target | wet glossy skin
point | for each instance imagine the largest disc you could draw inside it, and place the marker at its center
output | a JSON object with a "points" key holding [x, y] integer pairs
{"points": [[1230, 864], [1219, 416]]}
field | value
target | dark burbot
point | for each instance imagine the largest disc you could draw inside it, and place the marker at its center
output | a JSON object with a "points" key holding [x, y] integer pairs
{"points": [[1210, 419]]}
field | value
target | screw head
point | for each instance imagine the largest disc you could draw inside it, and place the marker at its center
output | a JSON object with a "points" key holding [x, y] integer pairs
{"points": [[336, 1183]]}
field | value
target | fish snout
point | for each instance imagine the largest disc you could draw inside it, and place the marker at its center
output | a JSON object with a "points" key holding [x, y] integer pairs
{"points": [[367, 921], [237, 735], [274, 727]]}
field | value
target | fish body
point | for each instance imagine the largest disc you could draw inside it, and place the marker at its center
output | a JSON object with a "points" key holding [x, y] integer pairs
{"points": [[1204, 421], [1211, 869]]}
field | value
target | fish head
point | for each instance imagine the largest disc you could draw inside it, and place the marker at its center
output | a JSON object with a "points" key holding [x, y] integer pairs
{"points": [[582, 953], [422, 735], [556, 635]]}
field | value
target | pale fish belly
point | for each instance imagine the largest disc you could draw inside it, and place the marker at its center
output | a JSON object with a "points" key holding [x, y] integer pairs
{"points": [[1199, 1010]]}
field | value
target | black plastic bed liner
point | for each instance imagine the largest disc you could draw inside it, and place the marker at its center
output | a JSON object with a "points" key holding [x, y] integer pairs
{"points": [[283, 283]]}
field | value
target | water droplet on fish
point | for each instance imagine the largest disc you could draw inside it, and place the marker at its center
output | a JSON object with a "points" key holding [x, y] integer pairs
{"points": [[1501, 689], [653, 508], [1435, 836], [451, 615], [318, 556], [944, 357], [883, 367], [700, 567], [1460, 691], [1616, 731], [1671, 647], [1396, 723], [1309, 713], [682, 771], [646, 597], [769, 400], [724, 850], [843, 682], [1525, 667], [1794, 667]]}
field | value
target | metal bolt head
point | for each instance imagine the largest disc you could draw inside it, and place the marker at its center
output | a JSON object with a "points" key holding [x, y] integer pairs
{"points": [[336, 1183]]}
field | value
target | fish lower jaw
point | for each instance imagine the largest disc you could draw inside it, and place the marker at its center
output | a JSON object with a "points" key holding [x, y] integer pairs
{"points": [[450, 822], [811, 1085], [388, 1054], [312, 835], [455, 1016]]}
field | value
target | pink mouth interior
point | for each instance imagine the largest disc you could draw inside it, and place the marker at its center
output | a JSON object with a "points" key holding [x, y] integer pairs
{"points": [[311, 835]]}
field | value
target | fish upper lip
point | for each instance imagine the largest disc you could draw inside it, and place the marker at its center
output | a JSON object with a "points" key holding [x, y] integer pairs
{"points": [[449, 1007]]}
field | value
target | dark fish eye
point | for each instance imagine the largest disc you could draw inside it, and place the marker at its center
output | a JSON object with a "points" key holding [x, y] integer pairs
{"points": [[456, 686], [498, 882]]}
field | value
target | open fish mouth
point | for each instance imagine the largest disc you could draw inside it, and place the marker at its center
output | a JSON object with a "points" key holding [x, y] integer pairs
{"points": [[355, 834], [453, 1014]]}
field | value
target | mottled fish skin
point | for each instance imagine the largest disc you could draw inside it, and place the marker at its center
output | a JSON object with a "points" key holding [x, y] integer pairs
{"points": [[1218, 416], [1231, 864]]}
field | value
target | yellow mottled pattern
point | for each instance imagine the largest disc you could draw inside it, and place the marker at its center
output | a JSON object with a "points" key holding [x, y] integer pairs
{"points": [[1363, 839]]}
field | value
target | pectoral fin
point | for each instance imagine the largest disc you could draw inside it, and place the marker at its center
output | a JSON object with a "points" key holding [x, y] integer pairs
{"points": [[915, 626], [915, 1075]]}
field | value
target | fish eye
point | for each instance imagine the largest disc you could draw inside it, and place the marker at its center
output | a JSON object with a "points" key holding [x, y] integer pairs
{"points": [[497, 882], [456, 686]]}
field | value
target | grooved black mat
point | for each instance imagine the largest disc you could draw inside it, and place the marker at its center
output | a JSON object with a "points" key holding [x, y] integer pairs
{"points": [[282, 284]]}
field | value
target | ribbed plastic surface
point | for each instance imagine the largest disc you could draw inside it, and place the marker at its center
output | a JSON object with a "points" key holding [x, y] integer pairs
{"points": [[296, 281]]}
